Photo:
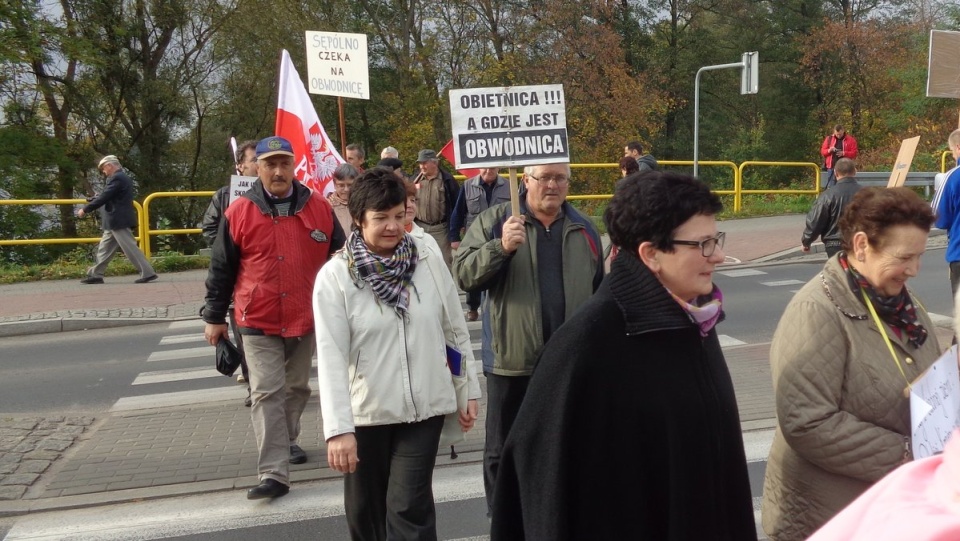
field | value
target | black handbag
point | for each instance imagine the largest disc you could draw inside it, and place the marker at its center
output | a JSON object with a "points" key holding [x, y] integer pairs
{"points": [[228, 357]]}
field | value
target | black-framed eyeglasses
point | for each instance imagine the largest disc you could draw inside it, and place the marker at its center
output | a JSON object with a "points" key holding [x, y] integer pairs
{"points": [[707, 246], [545, 180]]}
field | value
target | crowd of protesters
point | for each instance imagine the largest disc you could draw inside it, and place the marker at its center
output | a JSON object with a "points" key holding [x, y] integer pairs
{"points": [[584, 435]]}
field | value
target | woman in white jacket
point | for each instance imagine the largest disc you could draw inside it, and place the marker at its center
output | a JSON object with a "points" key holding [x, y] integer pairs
{"points": [[387, 312]]}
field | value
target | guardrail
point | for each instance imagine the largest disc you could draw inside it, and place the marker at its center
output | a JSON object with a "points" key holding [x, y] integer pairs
{"points": [[145, 217], [733, 168], [922, 179], [74, 240]]}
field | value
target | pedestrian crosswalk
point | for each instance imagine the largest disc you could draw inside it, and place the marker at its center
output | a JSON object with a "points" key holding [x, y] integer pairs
{"points": [[180, 371]]}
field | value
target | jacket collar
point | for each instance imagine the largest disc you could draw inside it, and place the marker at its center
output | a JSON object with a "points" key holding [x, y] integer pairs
{"points": [[833, 281], [477, 181], [255, 194], [647, 306]]}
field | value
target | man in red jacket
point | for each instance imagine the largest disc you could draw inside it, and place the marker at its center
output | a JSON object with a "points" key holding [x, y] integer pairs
{"points": [[271, 244], [838, 145]]}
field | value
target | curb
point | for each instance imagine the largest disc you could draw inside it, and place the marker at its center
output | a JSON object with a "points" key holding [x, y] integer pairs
{"points": [[97, 499], [66, 324]]}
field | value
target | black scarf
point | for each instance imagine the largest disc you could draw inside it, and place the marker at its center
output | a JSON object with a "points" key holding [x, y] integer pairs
{"points": [[897, 311]]}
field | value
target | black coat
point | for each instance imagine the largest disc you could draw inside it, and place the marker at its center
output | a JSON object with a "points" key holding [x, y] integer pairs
{"points": [[115, 203], [629, 428]]}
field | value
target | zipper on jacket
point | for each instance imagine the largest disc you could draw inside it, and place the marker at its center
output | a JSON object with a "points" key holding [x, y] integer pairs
{"points": [[403, 338]]}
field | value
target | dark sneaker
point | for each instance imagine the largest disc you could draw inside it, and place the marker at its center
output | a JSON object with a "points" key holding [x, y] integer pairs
{"points": [[150, 278], [91, 280]]}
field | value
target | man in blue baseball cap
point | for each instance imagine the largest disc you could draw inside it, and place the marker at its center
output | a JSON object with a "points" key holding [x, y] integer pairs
{"points": [[271, 243]]}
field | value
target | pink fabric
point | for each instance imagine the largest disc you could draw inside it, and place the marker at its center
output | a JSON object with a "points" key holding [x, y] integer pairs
{"points": [[919, 501]]}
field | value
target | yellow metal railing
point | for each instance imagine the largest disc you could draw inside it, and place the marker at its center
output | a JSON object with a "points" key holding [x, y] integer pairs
{"points": [[145, 217], [75, 240], [733, 169], [146, 233], [816, 182]]}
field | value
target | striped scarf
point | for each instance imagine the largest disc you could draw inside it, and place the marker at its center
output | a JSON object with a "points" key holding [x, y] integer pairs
{"points": [[388, 277], [897, 311]]}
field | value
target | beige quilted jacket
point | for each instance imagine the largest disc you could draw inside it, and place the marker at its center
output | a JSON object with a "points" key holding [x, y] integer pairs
{"points": [[841, 412]]}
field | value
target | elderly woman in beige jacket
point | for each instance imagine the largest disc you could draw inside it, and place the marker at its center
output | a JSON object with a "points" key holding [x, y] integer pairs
{"points": [[844, 351]]}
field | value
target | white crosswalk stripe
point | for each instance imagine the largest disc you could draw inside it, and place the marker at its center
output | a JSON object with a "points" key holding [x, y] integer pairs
{"points": [[182, 339], [739, 273], [780, 283], [188, 353]]}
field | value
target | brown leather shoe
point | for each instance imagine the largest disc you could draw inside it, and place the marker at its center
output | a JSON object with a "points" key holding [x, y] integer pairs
{"points": [[473, 315]]}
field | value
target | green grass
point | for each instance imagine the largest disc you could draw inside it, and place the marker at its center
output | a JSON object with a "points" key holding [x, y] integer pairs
{"points": [[756, 205], [74, 265]]}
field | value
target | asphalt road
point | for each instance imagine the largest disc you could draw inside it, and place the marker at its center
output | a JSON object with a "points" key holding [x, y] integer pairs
{"points": [[88, 371]]}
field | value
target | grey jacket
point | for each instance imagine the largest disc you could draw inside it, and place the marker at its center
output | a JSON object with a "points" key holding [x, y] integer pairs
{"points": [[473, 200]]}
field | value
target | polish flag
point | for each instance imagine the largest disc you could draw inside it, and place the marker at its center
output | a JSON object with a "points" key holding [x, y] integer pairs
{"points": [[297, 121], [447, 152]]}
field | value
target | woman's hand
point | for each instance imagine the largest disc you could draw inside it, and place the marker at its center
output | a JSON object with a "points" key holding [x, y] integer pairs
{"points": [[342, 453], [467, 418]]}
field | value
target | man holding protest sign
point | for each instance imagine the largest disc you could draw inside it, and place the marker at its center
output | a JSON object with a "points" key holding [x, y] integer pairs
{"points": [[537, 268]]}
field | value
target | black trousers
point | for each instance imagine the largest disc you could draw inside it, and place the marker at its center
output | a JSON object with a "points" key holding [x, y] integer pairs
{"points": [[954, 276], [504, 396], [832, 249], [390, 496], [473, 300]]}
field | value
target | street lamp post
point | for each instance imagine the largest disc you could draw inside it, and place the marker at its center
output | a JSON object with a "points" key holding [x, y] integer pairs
{"points": [[749, 84]]}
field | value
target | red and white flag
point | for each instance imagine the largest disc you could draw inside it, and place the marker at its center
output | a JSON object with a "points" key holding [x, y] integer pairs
{"points": [[297, 121], [447, 152]]}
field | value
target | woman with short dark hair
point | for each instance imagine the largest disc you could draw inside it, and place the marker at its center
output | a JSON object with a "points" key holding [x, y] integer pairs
{"points": [[628, 166], [629, 428], [847, 346], [387, 312]]}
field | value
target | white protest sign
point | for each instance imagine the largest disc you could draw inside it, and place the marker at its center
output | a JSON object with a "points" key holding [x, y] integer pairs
{"points": [[509, 126], [935, 405], [337, 64], [239, 186]]}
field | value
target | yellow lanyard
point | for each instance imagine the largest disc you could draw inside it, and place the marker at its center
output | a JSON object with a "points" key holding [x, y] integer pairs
{"points": [[883, 332]]}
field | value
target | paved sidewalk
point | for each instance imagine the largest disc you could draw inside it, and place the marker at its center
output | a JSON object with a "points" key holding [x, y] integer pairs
{"points": [[65, 462]]}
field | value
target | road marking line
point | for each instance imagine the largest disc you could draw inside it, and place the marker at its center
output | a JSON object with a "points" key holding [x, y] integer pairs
{"points": [[738, 273], [182, 339], [184, 398], [779, 283], [176, 354], [166, 376], [187, 324], [756, 444], [728, 341], [940, 319]]}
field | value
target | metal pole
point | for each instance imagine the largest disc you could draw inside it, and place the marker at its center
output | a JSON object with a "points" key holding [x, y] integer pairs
{"points": [[696, 111]]}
